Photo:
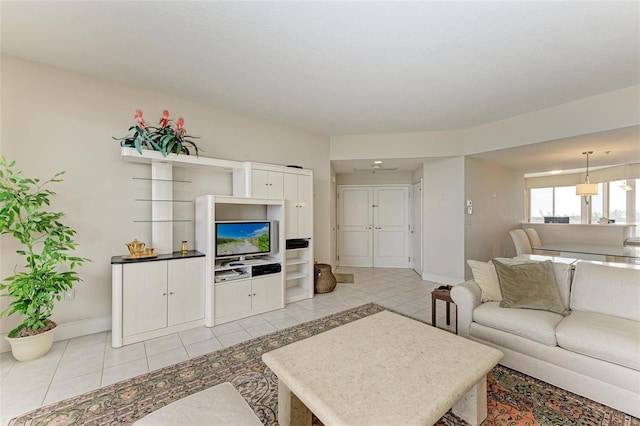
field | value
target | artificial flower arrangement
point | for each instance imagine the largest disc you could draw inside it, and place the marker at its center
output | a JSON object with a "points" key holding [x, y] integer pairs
{"points": [[166, 137]]}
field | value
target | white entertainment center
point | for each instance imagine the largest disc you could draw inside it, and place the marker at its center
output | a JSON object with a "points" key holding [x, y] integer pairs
{"points": [[208, 290]]}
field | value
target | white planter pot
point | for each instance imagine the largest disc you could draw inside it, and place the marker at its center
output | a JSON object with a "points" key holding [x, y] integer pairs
{"points": [[31, 347]]}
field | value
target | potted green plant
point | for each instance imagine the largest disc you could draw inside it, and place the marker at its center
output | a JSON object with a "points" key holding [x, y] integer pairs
{"points": [[166, 138], [45, 245]]}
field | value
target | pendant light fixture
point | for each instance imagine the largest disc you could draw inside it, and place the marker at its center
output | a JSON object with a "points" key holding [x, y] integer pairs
{"points": [[625, 186], [587, 188]]}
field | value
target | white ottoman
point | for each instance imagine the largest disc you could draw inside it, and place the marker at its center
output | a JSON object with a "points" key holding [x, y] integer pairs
{"points": [[219, 405]]}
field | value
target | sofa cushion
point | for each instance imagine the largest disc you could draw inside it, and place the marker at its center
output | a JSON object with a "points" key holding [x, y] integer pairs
{"points": [[563, 273], [539, 326], [607, 290], [530, 286], [600, 336]]}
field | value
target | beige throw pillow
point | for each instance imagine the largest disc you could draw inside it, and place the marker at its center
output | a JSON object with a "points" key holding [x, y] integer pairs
{"points": [[484, 274], [530, 286]]}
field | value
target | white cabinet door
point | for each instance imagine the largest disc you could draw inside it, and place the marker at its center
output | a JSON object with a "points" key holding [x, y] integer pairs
{"points": [[144, 297], [298, 196], [186, 290], [231, 298], [266, 184], [267, 292], [259, 183], [291, 205], [305, 209], [276, 185]]}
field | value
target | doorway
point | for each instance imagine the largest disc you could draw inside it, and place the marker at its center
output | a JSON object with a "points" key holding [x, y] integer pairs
{"points": [[373, 226]]}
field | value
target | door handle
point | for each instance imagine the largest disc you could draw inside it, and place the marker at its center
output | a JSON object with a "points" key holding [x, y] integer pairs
{"points": [[377, 227]]}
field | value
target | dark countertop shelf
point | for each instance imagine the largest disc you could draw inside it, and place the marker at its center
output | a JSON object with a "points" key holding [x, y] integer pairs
{"points": [[117, 260]]}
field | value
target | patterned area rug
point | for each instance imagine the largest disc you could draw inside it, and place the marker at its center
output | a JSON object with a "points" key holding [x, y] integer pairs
{"points": [[513, 398]]}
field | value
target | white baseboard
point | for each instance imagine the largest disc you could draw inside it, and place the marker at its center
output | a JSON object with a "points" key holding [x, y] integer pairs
{"points": [[69, 330], [441, 279]]}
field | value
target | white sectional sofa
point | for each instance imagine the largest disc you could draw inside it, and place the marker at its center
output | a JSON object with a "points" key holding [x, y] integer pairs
{"points": [[594, 351]]}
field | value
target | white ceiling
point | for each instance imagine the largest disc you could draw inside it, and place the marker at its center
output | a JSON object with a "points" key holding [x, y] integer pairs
{"points": [[343, 67]]}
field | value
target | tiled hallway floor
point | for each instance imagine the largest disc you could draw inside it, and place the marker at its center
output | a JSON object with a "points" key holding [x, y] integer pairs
{"points": [[79, 365]]}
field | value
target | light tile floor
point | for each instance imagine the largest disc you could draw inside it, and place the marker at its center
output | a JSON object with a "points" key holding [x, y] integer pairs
{"points": [[82, 364]]}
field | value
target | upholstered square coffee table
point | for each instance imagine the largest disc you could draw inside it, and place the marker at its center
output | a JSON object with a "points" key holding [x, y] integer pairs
{"points": [[384, 369]]}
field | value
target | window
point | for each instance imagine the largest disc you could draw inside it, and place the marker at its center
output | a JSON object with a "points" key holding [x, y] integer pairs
{"points": [[611, 202], [566, 203], [541, 203], [637, 187], [617, 202], [560, 201], [597, 204]]}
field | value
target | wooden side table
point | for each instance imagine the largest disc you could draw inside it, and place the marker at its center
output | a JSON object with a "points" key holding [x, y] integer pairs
{"points": [[442, 293]]}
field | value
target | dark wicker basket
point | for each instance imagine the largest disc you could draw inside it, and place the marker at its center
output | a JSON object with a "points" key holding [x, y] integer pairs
{"points": [[324, 280]]}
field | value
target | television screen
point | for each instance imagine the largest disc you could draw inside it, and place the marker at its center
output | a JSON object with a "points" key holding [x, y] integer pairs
{"points": [[556, 219], [242, 238]]}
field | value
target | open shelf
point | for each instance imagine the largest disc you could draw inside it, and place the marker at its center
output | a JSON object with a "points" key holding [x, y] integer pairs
{"points": [[296, 261], [130, 154], [299, 273], [164, 201], [295, 275], [164, 221], [294, 294], [162, 180]]}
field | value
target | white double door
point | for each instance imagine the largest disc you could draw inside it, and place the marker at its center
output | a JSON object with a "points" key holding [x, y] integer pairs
{"points": [[373, 226]]}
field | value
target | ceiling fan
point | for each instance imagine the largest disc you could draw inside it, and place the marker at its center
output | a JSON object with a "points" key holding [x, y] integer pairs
{"points": [[377, 167]]}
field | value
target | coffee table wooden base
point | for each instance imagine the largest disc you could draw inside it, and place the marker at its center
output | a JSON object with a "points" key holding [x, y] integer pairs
{"points": [[291, 411], [472, 407]]}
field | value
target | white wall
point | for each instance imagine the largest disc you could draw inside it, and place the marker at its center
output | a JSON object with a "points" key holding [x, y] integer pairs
{"points": [[56, 120], [497, 194], [417, 174], [612, 110], [333, 215], [368, 178], [443, 197], [398, 145]]}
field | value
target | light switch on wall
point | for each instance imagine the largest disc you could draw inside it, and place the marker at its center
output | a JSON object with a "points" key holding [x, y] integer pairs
{"points": [[469, 210], [469, 204]]}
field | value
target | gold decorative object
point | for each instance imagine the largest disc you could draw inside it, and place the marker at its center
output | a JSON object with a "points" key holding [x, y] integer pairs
{"points": [[185, 247], [136, 248]]}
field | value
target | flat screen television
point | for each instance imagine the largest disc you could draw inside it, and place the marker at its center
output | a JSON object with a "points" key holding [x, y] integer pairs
{"points": [[242, 239], [556, 219]]}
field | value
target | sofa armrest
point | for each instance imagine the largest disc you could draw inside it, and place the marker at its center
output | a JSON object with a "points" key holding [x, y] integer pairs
{"points": [[466, 296]]}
